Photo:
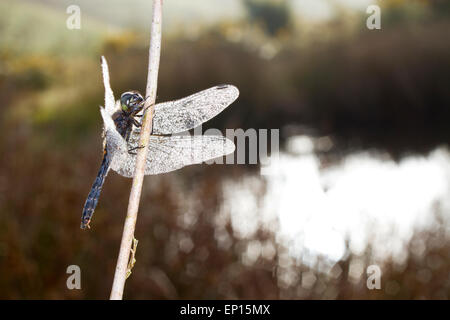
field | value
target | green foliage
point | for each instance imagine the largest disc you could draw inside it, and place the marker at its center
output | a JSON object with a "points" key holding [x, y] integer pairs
{"points": [[29, 28], [441, 7], [273, 16], [395, 12]]}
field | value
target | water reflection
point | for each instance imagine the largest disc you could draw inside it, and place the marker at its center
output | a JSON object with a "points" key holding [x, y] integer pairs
{"points": [[366, 198]]}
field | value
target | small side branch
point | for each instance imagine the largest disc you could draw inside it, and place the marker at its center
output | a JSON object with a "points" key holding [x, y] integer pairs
{"points": [[135, 194]]}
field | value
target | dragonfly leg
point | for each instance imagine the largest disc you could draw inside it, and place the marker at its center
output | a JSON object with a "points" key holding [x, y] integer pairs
{"points": [[137, 123], [130, 151], [145, 110]]}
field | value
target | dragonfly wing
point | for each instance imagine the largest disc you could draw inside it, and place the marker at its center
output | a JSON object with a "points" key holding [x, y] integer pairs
{"points": [[169, 153], [109, 95], [187, 113]]}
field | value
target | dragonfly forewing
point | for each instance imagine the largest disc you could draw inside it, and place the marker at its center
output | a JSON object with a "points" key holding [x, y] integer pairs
{"points": [[187, 113]]}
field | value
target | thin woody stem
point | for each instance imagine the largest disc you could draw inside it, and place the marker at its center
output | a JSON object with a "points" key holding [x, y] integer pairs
{"points": [[135, 194]]}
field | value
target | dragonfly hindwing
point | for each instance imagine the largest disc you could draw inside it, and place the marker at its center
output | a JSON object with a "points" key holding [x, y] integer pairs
{"points": [[169, 153]]}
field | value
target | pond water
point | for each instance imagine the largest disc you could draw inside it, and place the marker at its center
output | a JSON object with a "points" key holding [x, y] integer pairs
{"points": [[314, 206]]}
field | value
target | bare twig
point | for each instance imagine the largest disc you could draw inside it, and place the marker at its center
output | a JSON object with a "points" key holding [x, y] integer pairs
{"points": [[135, 194]]}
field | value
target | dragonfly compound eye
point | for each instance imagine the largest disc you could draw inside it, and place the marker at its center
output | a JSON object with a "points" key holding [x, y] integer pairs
{"points": [[129, 100]]}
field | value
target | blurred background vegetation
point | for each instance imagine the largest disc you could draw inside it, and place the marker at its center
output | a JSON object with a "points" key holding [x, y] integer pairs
{"points": [[321, 74]]}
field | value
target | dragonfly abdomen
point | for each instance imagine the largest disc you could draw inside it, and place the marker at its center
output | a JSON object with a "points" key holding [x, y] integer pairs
{"points": [[94, 194]]}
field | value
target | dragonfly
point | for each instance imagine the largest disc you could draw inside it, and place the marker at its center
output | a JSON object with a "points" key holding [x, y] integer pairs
{"points": [[166, 152]]}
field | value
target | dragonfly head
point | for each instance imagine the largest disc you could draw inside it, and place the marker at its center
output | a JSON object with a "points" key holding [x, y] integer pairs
{"points": [[131, 102]]}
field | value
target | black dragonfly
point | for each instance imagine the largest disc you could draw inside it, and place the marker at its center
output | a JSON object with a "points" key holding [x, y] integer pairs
{"points": [[165, 152]]}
